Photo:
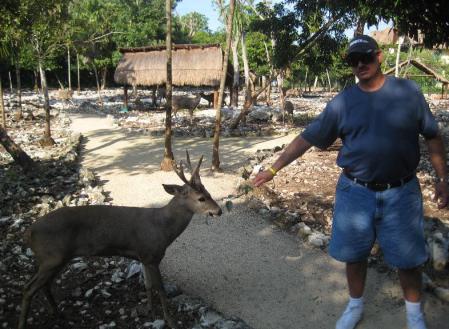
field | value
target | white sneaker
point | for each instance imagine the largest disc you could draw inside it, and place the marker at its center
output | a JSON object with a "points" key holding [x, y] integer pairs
{"points": [[350, 317]]}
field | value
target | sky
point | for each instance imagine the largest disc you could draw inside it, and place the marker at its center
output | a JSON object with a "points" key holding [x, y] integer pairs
{"points": [[206, 8]]}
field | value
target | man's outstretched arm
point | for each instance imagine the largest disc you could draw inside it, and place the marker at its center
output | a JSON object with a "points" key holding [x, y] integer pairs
{"points": [[293, 151]]}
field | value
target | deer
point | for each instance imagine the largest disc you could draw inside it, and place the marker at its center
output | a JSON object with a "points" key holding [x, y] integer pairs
{"points": [[184, 102], [142, 234], [289, 108], [208, 97]]}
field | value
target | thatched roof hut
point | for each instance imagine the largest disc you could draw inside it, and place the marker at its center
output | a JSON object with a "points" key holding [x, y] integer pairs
{"points": [[192, 65]]}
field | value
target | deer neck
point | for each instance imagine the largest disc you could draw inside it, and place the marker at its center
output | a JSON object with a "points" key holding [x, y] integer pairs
{"points": [[177, 217]]}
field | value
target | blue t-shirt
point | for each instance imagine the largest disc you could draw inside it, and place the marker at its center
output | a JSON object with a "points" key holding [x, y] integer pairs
{"points": [[379, 130]]}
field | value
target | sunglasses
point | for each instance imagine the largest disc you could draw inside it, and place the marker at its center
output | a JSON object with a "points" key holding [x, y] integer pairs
{"points": [[354, 59]]}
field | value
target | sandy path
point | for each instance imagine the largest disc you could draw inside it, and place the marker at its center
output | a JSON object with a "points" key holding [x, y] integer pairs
{"points": [[238, 263]]}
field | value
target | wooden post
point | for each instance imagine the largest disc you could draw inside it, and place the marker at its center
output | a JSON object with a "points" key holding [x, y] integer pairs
{"points": [[125, 98]]}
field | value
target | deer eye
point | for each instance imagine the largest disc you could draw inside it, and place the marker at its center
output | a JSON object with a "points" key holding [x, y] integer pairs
{"points": [[202, 199]]}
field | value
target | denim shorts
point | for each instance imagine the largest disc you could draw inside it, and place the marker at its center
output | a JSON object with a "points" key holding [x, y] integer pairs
{"points": [[394, 217]]}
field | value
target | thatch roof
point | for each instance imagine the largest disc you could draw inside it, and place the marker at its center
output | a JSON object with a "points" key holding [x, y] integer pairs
{"points": [[192, 65], [422, 68]]}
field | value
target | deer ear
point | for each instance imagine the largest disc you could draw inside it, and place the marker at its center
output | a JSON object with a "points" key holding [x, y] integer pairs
{"points": [[172, 189]]}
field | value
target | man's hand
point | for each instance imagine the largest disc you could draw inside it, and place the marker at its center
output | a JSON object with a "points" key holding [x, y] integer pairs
{"points": [[262, 178], [441, 194]]}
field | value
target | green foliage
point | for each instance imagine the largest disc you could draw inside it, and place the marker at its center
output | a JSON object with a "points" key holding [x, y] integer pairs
{"points": [[414, 17], [257, 57], [208, 37], [192, 23]]}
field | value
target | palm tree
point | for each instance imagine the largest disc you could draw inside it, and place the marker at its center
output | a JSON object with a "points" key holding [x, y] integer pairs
{"points": [[167, 162], [215, 155]]}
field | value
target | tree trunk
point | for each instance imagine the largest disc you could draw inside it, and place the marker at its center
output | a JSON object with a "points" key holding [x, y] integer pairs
{"points": [[36, 83], [360, 27], [2, 105], [100, 100], [280, 79], [19, 91], [236, 76], [167, 162], [245, 62], [11, 90], [19, 156], [78, 72], [104, 74], [47, 140], [249, 100], [215, 155], [69, 73]]}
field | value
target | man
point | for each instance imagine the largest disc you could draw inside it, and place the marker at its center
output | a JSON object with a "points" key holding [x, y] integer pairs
{"points": [[379, 121]]}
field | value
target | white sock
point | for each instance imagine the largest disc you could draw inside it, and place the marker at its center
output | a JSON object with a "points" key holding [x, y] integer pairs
{"points": [[415, 316], [352, 314]]}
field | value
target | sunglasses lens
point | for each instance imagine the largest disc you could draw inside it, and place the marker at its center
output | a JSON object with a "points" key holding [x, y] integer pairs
{"points": [[354, 59]]}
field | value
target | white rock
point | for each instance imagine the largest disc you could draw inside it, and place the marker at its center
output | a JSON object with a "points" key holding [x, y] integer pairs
{"points": [[209, 318], [256, 169], [315, 241], [88, 293], [442, 293], [158, 324], [80, 266], [133, 268], [275, 210], [304, 230]]}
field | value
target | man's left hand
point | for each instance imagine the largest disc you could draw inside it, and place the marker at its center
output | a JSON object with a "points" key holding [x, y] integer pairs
{"points": [[441, 194]]}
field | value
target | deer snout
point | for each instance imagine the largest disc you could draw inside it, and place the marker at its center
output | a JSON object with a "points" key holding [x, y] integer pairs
{"points": [[216, 213]]}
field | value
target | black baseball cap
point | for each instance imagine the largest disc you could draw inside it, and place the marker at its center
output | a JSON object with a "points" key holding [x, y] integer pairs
{"points": [[362, 44]]}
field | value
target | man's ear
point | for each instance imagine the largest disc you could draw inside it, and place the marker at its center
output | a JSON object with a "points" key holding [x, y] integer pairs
{"points": [[380, 56], [173, 189]]}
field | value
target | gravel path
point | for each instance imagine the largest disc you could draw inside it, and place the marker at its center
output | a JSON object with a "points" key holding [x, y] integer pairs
{"points": [[238, 263]]}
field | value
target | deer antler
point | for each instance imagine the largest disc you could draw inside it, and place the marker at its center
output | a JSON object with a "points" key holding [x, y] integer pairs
{"points": [[180, 172], [189, 164], [195, 178]]}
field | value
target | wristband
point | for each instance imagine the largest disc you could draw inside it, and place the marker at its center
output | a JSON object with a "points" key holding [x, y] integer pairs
{"points": [[273, 171]]}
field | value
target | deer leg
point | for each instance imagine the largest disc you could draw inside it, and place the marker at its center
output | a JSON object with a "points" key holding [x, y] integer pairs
{"points": [[51, 301], [156, 281], [150, 291], [45, 273]]}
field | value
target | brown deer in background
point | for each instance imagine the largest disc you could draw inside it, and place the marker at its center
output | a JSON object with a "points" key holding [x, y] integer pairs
{"points": [[185, 102], [208, 97], [289, 108], [138, 233]]}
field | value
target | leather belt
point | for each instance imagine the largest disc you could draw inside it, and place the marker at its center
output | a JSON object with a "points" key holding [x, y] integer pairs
{"points": [[378, 187]]}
